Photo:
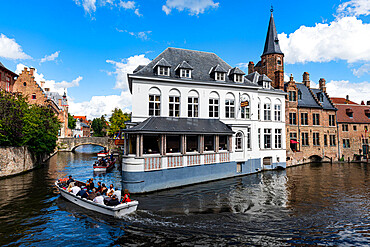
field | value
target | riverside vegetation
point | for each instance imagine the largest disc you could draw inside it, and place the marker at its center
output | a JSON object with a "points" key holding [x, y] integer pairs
{"points": [[23, 124]]}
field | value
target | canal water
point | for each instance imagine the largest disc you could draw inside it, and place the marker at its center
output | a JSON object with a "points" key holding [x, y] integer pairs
{"points": [[317, 204]]}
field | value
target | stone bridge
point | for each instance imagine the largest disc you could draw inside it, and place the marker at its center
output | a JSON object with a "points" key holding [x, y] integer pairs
{"points": [[70, 144]]}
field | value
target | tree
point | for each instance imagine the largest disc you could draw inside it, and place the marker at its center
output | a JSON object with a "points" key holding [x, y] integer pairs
{"points": [[71, 122], [97, 126], [117, 121]]}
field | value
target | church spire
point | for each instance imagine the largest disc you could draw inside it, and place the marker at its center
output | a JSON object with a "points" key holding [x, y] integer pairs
{"points": [[272, 42]]}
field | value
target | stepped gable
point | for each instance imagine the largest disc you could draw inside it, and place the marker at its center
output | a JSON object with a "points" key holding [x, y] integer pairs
{"points": [[326, 104], [201, 62], [308, 99]]}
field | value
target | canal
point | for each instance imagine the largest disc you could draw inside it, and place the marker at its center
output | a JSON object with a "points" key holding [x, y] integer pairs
{"points": [[317, 204]]}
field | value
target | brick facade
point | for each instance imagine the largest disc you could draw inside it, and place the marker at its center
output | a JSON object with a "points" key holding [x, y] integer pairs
{"points": [[7, 78]]}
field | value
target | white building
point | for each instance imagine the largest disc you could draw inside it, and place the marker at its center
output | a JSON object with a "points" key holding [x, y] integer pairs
{"points": [[192, 110]]}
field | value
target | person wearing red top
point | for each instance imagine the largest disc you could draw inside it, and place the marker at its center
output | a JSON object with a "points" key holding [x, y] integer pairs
{"points": [[126, 197]]}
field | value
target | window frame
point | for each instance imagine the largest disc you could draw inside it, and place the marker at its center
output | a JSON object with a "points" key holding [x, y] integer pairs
{"points": [[213, 107], [193, 107], [156, 105], [267, 112], [172, 105]]}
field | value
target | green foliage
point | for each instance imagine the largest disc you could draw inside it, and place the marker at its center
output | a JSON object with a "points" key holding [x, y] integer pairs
{"points": [[24, 125], [117, 121], [97, 125], [71, 122]]}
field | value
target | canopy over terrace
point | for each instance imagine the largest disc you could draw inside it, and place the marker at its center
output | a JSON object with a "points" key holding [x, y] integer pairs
{"points": [[163, 135]]}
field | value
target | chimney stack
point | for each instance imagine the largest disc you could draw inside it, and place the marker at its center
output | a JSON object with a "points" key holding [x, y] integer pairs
{"points": [[250, 67], [42, 83], [279, 79], [368, 102], [306, 79], [347, 98], [362, 102], [32, 70], [322, 83]]}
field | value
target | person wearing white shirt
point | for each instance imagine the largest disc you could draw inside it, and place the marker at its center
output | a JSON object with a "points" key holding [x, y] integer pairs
{"points": [[75, 190], [99, 199]]}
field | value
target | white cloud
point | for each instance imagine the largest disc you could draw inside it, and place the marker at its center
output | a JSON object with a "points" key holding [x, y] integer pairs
{"points": [[125, 67], [354, 8], [195, 7], [100, 105], [54, 86], [88, 5], [138, 13], [356, 91], [10, 49], [364, 69], [127, 5], [346, 38], [51, 57], [142, 35]]}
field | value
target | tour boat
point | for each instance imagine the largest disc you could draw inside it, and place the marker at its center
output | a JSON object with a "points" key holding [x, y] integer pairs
{"points": [[116, 211], [103, 154], [99, 168]]}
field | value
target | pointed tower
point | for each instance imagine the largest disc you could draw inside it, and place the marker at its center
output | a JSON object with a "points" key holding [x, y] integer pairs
{"points": [[272, 59]]}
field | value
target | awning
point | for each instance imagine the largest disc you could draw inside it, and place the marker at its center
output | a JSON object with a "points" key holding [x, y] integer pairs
{"points": [[293, 141]]}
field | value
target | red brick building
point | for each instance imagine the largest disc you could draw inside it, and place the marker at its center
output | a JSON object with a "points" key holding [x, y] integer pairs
{"points": [[310, 115], [353, 127], [7, 78]]}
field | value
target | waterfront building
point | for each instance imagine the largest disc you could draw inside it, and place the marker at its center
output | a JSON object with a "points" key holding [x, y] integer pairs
{"points": [[310, 115], [35, 93], [82, 128], [195, 118], [353, 127], [7, 78]]}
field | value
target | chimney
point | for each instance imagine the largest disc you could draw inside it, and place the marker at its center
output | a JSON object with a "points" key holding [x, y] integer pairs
{"points": [[347, 98], [32, 70], [250, 67], [368, 102], [322, 83], [60, 102], [306, 79], [362, 102], [279, 80], [291, 78], [42, 83]]}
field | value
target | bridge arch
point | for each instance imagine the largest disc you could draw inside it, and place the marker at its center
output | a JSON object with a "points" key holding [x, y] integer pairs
{"points": [[70, 144], [315, 158], [83, 144]]}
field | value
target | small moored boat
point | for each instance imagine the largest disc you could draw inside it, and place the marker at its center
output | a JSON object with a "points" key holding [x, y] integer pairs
{"points": [[116, 211], [108, 167], [103, 154]]}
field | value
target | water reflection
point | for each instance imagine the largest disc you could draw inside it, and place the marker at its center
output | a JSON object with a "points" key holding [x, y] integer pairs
{"points": [[306, 205]]}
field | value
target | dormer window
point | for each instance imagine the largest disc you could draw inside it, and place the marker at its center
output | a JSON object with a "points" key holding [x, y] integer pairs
{"points": [[220, 76], [163, 70], [238, 78], [349, 112], [299, 95], [292, 96], [266, 85], [320, 96], [185, 73]]}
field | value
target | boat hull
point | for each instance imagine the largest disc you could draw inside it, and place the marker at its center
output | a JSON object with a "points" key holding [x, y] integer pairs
{"points": [[118, 211]]}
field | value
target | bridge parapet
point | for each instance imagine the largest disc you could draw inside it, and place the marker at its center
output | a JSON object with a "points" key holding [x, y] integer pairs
{"points": [[70, 144]]}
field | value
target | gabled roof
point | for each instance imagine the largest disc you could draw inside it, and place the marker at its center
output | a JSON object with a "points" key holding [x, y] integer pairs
{"points": [[138, 68], [253, 77], [237, 71], [326, 103], [272, 42], [3, 67], [172, 125], [309, 98], [163, 62], [358, 113], [202, 62], [342, 101], [218, 68], [184, 65]]}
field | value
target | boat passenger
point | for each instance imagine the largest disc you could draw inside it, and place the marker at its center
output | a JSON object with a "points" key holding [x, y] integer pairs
{"points": [[113, 202], [118, 194], [92, 194], [70, 179], [126, 197], [110, 190], [99, 199], [91, 184], [104, 189], [69, 189], [99, 187], [75, 189], [83, 193]]}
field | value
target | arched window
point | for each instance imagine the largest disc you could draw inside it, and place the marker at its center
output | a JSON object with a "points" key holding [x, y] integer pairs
{"points": [[267, 110], [213, 104], [33, 96], [277, 110], [193, 103], [245, 106], [154, 102], [174, 103], [229, 106], [278, 61], [239, 141]]}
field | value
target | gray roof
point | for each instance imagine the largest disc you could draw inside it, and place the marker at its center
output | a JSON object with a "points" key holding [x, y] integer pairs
{"points": [[163, 62], [237, 71], [272, 42], [184, 65], [202, 62], [326, 104], [138, 68], [218, 68], [172, 125], [54, 96]]}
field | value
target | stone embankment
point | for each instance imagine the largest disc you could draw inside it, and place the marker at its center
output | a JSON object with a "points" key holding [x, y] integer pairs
{"points": [[15, 160]]}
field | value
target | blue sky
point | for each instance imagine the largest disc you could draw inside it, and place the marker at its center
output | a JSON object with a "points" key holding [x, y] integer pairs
{"points": [[88, 46]]}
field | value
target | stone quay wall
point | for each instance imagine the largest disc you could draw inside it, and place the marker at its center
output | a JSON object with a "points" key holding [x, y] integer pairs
{"points": [[15, 160]]}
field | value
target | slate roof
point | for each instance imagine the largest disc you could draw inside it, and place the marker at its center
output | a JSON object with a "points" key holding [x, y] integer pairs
{"points": [[3, 67], [138, 68], [237, 71], [163, 62], [171, 125], [309, 99], [202, 62], [272, 42], [218, 68], [54, 96], [359, 115], [184, 65]]}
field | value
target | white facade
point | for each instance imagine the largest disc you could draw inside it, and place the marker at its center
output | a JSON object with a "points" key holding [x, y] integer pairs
{"points": [[253, 147]]}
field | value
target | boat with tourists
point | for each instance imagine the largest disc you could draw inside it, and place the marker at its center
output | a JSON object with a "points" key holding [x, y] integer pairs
{"points": [[117, 211], [100, 166], [103, 153]]}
